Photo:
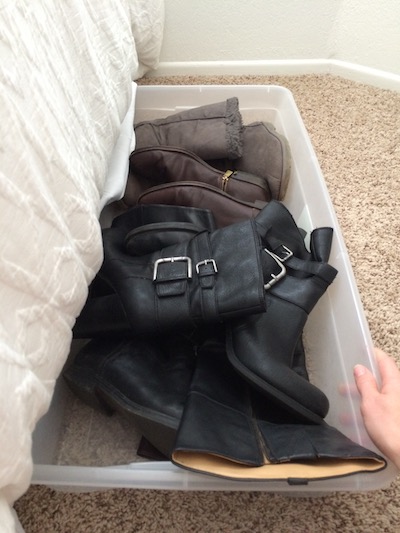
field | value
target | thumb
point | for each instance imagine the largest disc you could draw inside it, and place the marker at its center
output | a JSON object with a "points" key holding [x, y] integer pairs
{"points": [[365, 381]]}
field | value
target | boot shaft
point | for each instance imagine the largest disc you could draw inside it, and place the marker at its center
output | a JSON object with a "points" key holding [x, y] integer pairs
{"points": [[211, 131], [156, 165]]}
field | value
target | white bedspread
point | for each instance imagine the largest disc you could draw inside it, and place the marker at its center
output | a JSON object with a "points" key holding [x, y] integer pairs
{"points": [[66, 72]]}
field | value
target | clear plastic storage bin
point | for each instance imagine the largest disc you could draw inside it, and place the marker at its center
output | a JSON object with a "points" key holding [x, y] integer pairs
{"points": [[77, 448]]}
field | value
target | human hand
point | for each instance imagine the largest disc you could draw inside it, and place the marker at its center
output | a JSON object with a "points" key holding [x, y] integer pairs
{"points": [[380, 407]]}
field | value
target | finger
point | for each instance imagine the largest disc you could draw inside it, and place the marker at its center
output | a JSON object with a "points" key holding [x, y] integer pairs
{"points": [[365, 381]]}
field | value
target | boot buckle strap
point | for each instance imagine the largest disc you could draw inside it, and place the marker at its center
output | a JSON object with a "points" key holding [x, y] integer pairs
{"points": [[207, 263], [285, 254], [179, 258], [206, 271], [275, 277]]}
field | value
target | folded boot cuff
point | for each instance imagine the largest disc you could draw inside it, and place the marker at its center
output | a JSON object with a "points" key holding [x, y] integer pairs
{"points": [[234, 129]]}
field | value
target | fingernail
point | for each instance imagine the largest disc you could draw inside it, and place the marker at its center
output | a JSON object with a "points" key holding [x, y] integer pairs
{"points": [[359, 370]]}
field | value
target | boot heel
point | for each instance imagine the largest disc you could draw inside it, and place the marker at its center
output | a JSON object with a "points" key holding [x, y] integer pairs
{"points": [[83, 385]]}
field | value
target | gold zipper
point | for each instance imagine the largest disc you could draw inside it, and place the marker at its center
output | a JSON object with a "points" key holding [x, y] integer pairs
{"points": [[225, 179]]}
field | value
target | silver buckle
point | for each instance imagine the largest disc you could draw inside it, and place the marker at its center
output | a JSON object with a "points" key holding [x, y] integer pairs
{"points": [[287, 252], [173, 260], [206, 262], [275, 277]]}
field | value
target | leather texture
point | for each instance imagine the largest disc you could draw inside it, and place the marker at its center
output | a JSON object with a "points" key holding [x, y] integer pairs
{"points": [[230, 431], [261, 347], [103, 313], [146, 380], [264, 342], [156, 165], [152, 237], [225, 208], [156, 214], [214, 276], [102, 316]]}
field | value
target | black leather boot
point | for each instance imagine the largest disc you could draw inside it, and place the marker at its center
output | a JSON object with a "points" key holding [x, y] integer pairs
{"points": [[212, 277], [230, 431], [146, 217], [146, 380], [150, 228], [262, 347]]}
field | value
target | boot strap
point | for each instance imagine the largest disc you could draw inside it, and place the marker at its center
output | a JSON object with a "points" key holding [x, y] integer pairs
{"points": [[173, 274], [152, 237], [207, 271], [322, 270]]}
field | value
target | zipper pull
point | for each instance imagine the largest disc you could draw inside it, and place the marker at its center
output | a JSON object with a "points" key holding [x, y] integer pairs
{"points": [[225, 179]]}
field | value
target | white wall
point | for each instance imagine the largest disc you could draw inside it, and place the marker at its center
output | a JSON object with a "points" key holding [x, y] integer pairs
{"points": [[354, 31], [368, 33], [213, 30]]}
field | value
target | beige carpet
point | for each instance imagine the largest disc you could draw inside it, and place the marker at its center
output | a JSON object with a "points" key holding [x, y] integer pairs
{"points": [[355, 130]]}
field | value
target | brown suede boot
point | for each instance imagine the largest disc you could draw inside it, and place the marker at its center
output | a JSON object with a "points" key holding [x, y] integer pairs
{"points": [[211, 131], [157, 165], [266, 154]]}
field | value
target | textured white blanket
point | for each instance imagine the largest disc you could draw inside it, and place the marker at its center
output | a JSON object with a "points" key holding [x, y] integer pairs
{"points": [[66, 71]]}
